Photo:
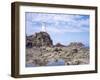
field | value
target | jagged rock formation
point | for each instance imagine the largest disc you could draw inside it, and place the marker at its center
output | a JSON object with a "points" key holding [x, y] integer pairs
{"points": [[39, 39], [42, 52]]}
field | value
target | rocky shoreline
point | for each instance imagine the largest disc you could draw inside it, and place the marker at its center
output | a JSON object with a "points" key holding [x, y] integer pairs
{"points": [[40, 51]]}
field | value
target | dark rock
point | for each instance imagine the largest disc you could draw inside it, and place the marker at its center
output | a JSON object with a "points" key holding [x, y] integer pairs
{"points": [[57, 49], [29, 44], [39, 39], [74, 51], [59, 45]]}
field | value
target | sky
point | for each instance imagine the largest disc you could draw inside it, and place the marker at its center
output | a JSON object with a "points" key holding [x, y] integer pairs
{"points": [[62, 28]]}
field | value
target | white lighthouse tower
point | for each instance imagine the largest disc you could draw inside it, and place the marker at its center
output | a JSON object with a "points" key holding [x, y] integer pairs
{"points": [[43, 26]]}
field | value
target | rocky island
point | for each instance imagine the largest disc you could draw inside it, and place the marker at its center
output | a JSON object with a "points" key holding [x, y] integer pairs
{"points": [[40, 51]]}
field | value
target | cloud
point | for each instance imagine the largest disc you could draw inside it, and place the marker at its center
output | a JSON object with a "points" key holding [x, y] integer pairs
{"points": [[58, 23]]}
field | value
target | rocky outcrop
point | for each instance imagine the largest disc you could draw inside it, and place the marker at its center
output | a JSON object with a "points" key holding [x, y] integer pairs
{"points": [[42, 52], [59, 45], [76, 44], [39, 39]]}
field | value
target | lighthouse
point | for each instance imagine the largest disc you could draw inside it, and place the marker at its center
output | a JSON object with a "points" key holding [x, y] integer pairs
{"points": [[43, 26]]}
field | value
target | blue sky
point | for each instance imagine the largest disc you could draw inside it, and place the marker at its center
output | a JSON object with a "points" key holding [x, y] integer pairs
{"points": [[63, 28]]}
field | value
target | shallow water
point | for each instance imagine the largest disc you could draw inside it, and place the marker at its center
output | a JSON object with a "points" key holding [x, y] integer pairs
{"points": [[30, 65], [51, 63], [56, 63]]}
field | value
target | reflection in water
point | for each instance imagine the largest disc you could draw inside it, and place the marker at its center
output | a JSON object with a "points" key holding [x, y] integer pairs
{"points": [[30, 65], [56, 63], [50, 63]]}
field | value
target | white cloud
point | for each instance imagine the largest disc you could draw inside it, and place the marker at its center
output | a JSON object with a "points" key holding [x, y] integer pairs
{"points": [[60, 23]]}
